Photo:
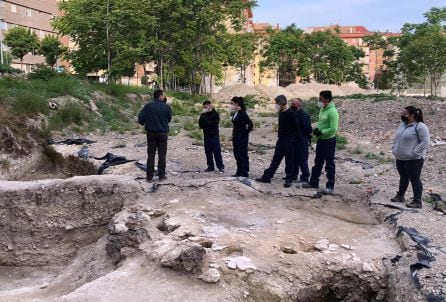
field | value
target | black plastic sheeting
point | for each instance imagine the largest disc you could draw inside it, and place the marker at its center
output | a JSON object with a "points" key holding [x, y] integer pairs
{"points": [[71, 141], [434, 298], [112, 160], [414, 235]]}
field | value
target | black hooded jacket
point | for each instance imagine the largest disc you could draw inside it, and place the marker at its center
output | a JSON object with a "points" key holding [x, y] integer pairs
{"points": [[209, 122]]}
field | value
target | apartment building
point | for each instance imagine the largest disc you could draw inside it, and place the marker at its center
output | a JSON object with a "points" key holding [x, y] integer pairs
{"points": [[35, 15], [353, 36]]}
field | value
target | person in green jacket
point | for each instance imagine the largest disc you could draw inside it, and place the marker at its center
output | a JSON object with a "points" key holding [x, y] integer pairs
{"points": [[326, 143]]}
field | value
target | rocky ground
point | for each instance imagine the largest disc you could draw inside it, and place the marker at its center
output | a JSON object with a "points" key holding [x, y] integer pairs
{"points": [[172, 240]]}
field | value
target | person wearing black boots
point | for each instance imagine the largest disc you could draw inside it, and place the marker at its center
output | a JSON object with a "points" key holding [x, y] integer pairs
{"points": [[209, 121], [242, 126], [286, 143]]}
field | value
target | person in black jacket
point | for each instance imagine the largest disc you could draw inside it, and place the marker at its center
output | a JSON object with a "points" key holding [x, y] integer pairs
{"points": [[155, 117], [303, 141], [209, 121], [286, 143], [242, 125]]}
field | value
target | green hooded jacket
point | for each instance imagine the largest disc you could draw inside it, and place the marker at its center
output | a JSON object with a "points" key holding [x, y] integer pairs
{"points": [[328, 121]]}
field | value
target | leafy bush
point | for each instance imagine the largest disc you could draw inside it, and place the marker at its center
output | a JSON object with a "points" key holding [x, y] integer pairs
{"points": [[196, 134], [28, 102], [70, 114], [312, 109], [42, 72], [6, 69], [341, 142], [190, 125]]}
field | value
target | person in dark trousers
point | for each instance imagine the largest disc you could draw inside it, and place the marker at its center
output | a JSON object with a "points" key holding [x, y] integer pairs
{"points": [[326, 143], [155, 117], [242, 126], [409, 148], [285, 145], [303, 141], [209, 121]]}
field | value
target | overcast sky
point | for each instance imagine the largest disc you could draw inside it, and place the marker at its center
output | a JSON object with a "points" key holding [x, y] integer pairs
{"points": [[379, 15]]}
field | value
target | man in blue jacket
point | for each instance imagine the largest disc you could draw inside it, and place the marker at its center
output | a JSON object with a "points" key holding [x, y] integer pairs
{"points": [[155, 117]]}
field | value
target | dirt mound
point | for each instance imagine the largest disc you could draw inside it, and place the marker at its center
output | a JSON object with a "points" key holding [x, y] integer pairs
{"points": [[304, 91]]}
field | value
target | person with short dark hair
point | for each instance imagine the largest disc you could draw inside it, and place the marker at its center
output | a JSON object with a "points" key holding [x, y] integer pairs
{"points": [[409, 147], [326, 143], [285, 145], [242, 126], [155, 117], [303, 141], [209, 122]]}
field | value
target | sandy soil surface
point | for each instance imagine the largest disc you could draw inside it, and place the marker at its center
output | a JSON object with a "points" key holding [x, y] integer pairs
{"points": [[259, 221]]}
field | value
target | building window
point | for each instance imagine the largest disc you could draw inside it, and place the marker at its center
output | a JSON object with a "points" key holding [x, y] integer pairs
{"points": [[28, 12], [13, 8], [2, 3], [3, 25]]}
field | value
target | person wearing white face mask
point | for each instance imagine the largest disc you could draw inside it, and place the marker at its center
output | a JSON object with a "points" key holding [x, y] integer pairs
{"points": [[326, 143], [209, 122], [286, 143]]}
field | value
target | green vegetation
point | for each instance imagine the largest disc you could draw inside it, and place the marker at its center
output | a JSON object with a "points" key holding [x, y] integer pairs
{"points": [[341, 142], [5, 164], [375, 97], [20, 42], [130, 31], [318, 56]]}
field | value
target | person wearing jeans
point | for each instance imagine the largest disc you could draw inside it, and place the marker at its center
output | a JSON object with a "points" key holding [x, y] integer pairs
{"points": [[326, 143], [409, 147], [155, 117], [209, 121]]}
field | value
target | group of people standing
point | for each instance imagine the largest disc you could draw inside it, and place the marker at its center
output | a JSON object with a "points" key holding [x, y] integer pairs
{"points": [[294, 139]]}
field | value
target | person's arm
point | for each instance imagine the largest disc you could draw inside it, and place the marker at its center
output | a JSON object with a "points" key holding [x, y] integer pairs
{"points": [[142, 116], [307, 127], [424, 139], [333, 117], [248, 122], [202, 121], [169, 117]]}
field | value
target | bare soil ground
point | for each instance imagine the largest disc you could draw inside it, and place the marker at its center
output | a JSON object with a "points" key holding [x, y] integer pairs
{"points": [[334, 248]]}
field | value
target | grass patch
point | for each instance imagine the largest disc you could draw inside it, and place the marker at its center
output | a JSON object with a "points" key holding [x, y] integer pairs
{"points": [[29, 102], [195, 134], [267, 114], [312, 109], [190, 125], [357, 150], [374, 97], [341, 142], [5, 164]]}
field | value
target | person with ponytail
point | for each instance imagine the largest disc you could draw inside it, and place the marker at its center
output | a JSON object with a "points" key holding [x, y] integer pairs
{"points": [[242, 126], [409, 147]]}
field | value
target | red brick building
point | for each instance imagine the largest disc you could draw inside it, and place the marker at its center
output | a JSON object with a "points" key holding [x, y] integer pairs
{"points": [[35, 15], [353, 35]]}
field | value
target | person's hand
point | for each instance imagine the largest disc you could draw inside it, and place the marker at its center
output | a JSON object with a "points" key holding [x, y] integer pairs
{"points": [[317, 132]]}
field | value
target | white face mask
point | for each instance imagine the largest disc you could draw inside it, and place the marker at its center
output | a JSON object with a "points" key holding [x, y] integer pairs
{"points": [[320, 104], [277, 108]]}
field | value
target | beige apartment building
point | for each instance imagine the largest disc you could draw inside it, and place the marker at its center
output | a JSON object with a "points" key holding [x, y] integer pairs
{"points": [[35, 15]]}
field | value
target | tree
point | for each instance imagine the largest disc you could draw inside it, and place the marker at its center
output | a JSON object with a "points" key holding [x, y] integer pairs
{"points": [[320, 56], [377, 43], [51, 49], [21, 41], [423, 49], [184, 38], [241, 49]]}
